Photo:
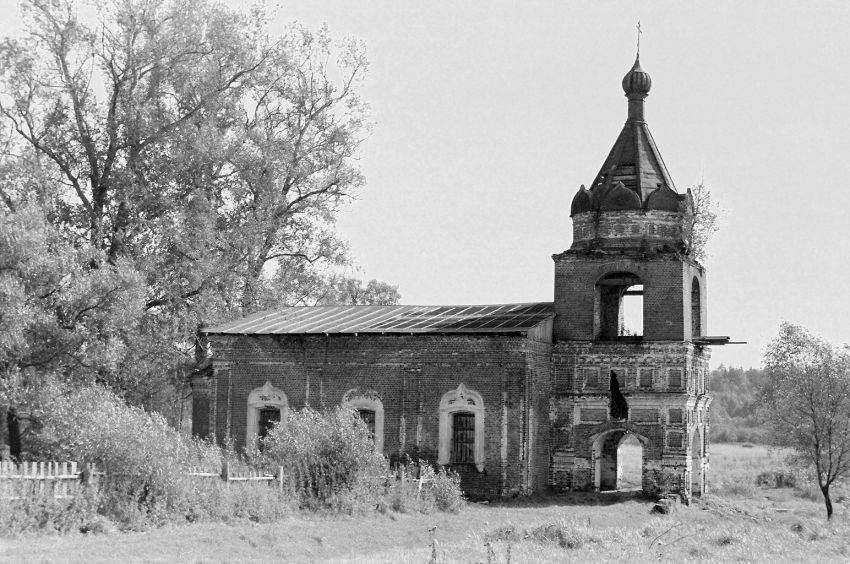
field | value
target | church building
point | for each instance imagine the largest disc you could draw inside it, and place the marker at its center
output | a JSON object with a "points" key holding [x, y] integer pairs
{"points": [[516, 398]]}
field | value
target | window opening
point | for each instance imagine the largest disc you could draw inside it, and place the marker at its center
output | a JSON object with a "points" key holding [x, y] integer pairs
{"points": [[369, 408], [463, 438], [368, 417], [632, 312], [620, 302], [267, 406], [618, 405], [269, 418]]}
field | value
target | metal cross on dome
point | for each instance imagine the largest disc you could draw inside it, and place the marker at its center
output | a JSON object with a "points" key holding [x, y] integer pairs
{"points": [[639, 31]]}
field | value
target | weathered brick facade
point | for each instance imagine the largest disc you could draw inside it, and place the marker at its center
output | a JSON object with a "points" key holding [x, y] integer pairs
{"points": [[552, 396], [410, 374]]}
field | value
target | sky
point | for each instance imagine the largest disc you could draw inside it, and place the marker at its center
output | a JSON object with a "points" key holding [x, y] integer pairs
{"points": [[488, 116]]}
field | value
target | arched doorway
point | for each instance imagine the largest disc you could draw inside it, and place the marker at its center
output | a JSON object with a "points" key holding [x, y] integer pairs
{"points": [[618, 461], [630, 464], [697, 468]]}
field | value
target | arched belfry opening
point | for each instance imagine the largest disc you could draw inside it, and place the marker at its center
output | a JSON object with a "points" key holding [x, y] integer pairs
{"points": [[619, 312], [696, 309]]}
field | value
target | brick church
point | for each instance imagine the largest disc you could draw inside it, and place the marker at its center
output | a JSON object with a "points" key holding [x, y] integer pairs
{"points": [[515, 397]]}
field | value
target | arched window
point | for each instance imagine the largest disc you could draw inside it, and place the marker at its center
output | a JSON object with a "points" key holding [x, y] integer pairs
{"points": [[696, 311], [370, 408], [267, 406], [462, 428], [619, 307]]}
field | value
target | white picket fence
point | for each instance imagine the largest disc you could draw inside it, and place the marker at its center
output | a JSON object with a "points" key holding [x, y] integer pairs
{"points": [[66, 479], [59, 479]]}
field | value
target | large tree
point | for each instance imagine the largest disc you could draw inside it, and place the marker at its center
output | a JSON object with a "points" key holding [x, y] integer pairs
{"points": [[806, 403], [175, 144]]}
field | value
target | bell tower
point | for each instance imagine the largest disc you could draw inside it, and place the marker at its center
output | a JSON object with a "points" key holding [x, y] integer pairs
{"points": [[630, 359]]}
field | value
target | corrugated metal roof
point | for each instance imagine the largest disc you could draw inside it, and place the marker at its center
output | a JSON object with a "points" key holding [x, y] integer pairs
{"points": [[503, 318]]}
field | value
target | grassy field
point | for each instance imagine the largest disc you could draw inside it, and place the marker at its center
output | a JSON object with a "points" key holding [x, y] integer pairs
{"points": [[738, 522]]}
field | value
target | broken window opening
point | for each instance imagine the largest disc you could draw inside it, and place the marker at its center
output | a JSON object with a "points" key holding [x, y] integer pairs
{"points": [[368, 417], [268, 420], [618, 405], [696, 311], [620, 307]]}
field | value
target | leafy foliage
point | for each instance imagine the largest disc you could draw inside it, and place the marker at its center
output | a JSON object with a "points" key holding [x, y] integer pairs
{"points": [[806, 403], [166, 165], [735, 394], [145, 459], [329, 457], [701, 224]]}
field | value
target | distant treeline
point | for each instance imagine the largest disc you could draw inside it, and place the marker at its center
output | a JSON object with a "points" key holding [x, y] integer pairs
{"points": [[733, 409]]}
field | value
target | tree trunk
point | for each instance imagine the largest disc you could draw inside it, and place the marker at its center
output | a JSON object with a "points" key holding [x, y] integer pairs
{"points": [[14, 429], [827, 501], [4, 433]]}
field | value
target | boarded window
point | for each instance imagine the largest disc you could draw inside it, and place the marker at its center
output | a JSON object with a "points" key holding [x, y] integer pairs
{"points": [[463, 438], [646, 377], [644, 415], [675, 416], [563, 379], [591, 378], [674, 439], [368, 417], [269, 417], [674, 376], [593, 415]]}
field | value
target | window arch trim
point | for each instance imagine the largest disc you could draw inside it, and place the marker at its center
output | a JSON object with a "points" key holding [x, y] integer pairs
{"points": [[355, 399], [461, 400], [266, 396]]}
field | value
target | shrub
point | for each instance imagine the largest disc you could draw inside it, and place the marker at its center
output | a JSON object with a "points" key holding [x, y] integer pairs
{"points": [[433, 490], [144, 459], [443, 486], [328, 457], [33, 512]]}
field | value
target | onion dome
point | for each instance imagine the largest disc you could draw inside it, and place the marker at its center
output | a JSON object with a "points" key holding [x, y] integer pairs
{"points": [[663, 198], [583, 201], [637, 82], [620, 198]]}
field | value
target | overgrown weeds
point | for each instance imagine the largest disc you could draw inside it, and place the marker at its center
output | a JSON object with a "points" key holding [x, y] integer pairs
{"points": [[321, 461]]}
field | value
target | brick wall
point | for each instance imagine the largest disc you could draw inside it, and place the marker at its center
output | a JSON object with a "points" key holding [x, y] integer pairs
{"points": [[627, 229], [410, 374], [665, 408], [666, 294]]}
